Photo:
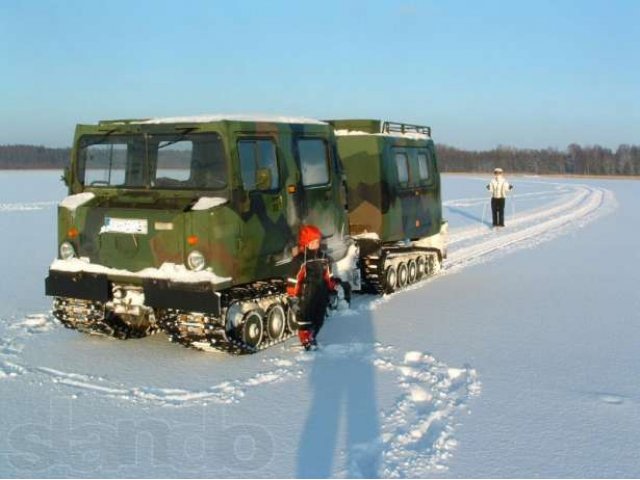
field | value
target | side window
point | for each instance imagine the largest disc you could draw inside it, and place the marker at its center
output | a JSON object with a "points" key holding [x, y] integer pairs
{"points": [[314, 161], [402, 166], [423, 166], [257, 158]]}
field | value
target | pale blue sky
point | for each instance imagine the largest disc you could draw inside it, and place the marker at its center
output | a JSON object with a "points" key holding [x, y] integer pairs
{"points": [[481, 73]]}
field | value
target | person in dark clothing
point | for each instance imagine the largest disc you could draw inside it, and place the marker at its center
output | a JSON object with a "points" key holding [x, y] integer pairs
{"points": [[310, 286]]}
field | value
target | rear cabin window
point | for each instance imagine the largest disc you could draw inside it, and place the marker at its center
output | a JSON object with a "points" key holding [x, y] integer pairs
{"points": [[258, 156], [423, 166], [402, 166], [314, 161]]}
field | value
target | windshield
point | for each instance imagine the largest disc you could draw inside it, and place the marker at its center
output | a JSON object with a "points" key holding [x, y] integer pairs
{"points": [[185, 162]]}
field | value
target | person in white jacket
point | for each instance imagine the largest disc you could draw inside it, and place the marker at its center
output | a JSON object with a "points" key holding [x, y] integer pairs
{"points": [[498, 188]]}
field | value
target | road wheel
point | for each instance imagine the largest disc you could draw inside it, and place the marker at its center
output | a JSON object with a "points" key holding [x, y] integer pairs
{"points": [[403, 275], [292, 320], [276, 321], [251, 330], [390, 279], [412, 271], [421, 267]]}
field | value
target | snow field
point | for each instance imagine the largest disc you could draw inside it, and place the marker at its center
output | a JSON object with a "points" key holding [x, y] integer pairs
{"points": [[423, 399], [416, 431]]}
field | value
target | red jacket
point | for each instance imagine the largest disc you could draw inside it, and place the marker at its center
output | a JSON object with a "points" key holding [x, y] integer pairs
{"points": [[307, 234], [294, 284]]}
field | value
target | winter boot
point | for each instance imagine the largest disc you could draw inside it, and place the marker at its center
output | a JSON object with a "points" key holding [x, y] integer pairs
{"points": [[306, 338]]}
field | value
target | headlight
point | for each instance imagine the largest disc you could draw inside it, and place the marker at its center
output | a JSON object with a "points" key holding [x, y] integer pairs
{"points": [[196, 261], [67, 251]]}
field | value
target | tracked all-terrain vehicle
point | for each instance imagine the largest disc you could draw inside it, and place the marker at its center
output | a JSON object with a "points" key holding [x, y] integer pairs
{"points": [[187, 225]]}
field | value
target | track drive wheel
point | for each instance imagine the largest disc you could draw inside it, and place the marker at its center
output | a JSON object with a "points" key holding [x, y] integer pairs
{"points": [[433, 264]]}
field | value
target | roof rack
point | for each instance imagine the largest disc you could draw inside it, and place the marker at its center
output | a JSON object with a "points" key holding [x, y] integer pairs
{"points": [[395, 127]]}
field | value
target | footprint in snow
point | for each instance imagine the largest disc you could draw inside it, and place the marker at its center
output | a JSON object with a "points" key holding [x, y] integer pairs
{"points": [[611, 399]]}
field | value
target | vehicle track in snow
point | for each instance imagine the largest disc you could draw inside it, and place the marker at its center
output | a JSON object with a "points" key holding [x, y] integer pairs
{"points": [[575, 209], [26, 206]]}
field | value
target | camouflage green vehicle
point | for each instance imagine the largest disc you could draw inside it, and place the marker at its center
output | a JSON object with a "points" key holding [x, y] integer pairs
{"points": [[188, 224], [394, 200]]}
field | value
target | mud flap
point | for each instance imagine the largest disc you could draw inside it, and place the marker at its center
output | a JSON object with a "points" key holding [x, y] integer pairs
{"points": [[192, 297], [80, 285]]}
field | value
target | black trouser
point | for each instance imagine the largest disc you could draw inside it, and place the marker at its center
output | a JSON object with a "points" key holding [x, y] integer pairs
{"points": [[313, 308], [497, 210]]}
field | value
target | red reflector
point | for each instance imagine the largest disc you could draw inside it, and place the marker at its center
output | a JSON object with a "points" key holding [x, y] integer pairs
{"points": [[192, 240]]}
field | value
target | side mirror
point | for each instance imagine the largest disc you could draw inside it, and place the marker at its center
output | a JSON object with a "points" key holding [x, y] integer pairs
{"points": [[263, 179], [66, 176], [240, 199]]}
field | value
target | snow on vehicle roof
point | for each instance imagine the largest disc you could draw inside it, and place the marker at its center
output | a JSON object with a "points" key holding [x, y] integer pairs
{"points": [[206, 118], [412, 135]]}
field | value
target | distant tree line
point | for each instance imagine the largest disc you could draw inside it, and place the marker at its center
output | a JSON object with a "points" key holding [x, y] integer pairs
{"points": [[576, 160], [31, 157]]}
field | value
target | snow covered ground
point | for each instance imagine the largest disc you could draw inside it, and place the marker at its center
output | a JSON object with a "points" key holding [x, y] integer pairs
{"points": [[519, 359]]}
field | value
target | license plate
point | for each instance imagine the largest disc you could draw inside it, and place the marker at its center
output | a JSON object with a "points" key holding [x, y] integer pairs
{"points": [[125, 225]]}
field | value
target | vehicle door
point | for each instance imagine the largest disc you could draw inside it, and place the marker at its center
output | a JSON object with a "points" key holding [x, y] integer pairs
{"points": [[401, 193], [265, 233], [429, 209], [314, 160]]}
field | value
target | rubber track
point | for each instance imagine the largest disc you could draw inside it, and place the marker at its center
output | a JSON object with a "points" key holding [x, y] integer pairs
{"points": [[218, 339], [373, 268], [94, 322]]}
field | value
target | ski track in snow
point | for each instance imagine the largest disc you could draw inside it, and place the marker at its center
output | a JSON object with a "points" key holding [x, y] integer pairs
{"points": [[526, 229], [578, 205], [475, 201], [417, 430], [226, 392]]}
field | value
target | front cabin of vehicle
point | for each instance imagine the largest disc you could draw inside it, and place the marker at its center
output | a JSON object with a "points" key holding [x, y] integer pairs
{"points": [[148, 189]]}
